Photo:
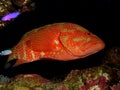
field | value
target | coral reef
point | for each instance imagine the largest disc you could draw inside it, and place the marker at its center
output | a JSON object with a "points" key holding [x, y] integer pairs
{"points": [[26, 81], [3, 79], [96, 78], [8, 6]]}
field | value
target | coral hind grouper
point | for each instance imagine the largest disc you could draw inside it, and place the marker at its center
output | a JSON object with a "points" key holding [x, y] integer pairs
{"points": [[58, 41]]}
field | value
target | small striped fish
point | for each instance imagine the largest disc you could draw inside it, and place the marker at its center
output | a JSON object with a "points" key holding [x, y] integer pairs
{"points": [[5, 52], [58, 41]]}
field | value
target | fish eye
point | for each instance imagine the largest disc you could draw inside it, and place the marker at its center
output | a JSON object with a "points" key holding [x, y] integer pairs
{"points": [[88, 34]]}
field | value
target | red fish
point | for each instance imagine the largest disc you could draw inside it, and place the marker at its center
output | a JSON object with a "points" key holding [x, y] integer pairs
{"points": [[58, 41]]}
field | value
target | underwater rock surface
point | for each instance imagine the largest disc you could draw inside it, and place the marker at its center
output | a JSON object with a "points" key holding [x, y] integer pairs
{"points": [[112, 57], [96, 78]]}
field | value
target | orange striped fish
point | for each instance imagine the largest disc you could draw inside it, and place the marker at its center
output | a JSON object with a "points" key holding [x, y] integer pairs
{"points": [[58, 41]]}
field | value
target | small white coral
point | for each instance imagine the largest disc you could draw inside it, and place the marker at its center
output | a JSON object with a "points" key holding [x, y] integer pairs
{"points": [[3, 79]]}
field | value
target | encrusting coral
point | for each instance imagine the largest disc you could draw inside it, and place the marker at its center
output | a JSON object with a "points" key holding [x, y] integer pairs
{"points": [[96, 78]]}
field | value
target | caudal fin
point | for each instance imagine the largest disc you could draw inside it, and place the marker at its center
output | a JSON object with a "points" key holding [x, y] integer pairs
{"points": [[10, 64]]}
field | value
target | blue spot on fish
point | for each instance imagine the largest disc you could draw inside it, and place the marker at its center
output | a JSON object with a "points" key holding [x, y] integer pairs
{"points": [[10, 16]]}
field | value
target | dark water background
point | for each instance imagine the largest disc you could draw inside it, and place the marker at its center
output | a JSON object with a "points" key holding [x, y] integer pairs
{"points": [[99, 16]]}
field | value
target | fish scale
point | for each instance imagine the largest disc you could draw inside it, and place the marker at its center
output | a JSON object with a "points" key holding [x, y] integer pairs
{"points": [[58, 41]]}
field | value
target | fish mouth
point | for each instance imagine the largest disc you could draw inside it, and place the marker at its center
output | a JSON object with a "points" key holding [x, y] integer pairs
{"points": [[93, 48], [89, 49]]}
